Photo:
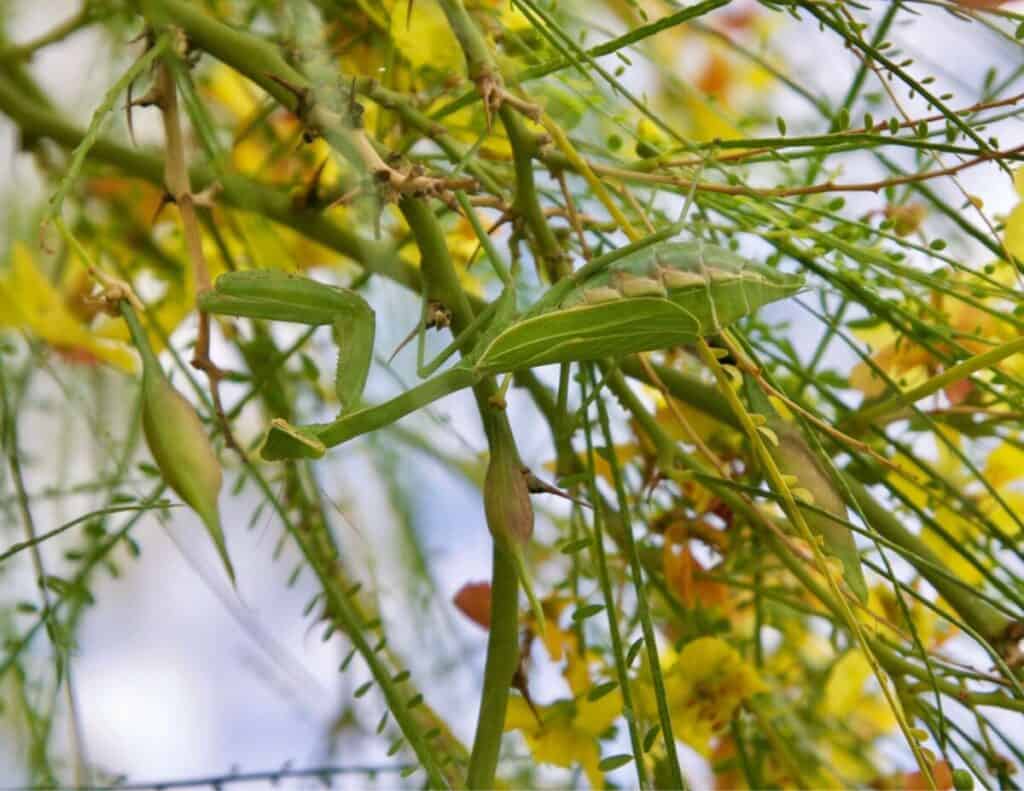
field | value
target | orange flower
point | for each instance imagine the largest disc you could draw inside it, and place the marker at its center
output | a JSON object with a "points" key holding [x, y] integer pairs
{"points": [[909, 363], [942, 773], [474, 601]]}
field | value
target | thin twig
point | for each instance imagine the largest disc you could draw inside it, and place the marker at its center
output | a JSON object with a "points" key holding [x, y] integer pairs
{"points": [[179, 188]]}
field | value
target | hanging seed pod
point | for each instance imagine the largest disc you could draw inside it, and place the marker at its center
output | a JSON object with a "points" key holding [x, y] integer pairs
{"points": [[178, 441], [509, 510], [815, 483], [795, 458]]}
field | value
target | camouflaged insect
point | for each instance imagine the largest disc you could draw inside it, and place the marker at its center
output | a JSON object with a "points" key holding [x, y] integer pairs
{"points": [[660, 296]]}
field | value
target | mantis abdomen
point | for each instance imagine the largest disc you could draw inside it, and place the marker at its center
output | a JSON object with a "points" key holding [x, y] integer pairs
{"points": [[663, 296]]}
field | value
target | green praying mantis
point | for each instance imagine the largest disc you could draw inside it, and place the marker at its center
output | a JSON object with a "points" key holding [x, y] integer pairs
{"points": [[639, 298]]}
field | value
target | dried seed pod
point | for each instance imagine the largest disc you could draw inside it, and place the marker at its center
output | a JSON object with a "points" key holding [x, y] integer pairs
{"points": [[178, 441]]}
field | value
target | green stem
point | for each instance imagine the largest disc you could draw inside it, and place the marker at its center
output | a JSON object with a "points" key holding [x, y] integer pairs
{"points": [[607, 48], [981, 616], [781, 749], [502, 659], [24, 52], [893, 662], [643, 610], [953, 374], [527, 202], [256, 58], [240, 191], [441, 283], [611, 611], [986, 620]]}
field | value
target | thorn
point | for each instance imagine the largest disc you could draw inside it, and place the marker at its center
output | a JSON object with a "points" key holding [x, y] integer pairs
{"points": [[537, 486], [300, 93], [653, 481], [437, 317], [355, 109], [519, 683], [310, 196], [165, 199], [345, 198], [152, 97], [128, 114], [489, 88], [208, 196], [405, 342]]}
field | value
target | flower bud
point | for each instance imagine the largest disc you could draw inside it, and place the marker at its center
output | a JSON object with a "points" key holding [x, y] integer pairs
{"points": [[178, 441]]}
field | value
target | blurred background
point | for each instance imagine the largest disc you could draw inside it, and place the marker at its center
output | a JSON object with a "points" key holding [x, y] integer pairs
{"points": [[176, 675]]}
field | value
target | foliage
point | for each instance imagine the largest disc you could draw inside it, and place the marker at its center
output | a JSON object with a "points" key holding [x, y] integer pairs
{"points": [[787, 546]]}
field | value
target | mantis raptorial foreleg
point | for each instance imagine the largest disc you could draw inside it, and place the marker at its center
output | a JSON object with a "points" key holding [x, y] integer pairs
{"points": [[278, 296]]}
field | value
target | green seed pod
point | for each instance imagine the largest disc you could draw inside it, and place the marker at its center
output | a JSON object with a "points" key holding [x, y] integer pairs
{"points": [[178, 441], [509, 510], [507, 497]]}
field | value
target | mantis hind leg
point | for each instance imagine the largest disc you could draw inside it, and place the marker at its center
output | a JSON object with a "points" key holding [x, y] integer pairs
{"points": [[437, 317]]}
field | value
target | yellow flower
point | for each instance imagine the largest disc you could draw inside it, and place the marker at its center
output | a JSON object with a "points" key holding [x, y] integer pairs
{"points": [[909, 363], [233, 92], [427, 39], [704, 684], [931, 628], [846, 699], [568, 731], [30, 302], [1013, 237], [1002, 470]]}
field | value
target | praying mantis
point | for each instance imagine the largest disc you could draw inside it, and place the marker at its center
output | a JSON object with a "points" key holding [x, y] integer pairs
{"points": [[642, 297]]}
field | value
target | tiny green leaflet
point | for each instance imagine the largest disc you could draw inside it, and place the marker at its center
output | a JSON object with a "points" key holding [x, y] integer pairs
{"points": [[640, 298]]}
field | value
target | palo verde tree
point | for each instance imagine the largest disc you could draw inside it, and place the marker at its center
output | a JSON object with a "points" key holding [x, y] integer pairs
{"points": [[730, 292]]}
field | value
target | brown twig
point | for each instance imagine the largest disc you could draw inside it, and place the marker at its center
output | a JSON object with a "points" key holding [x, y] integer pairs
{"points": [[570, 208], [788, 192], [880, 127], [178, 187]]}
